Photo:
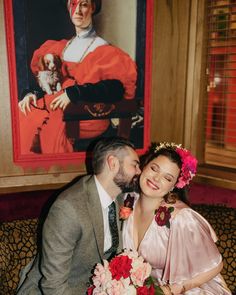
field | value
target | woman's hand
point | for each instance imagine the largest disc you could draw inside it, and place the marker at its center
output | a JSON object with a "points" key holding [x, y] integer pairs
{"points": [[61, 101], [24, 104], [174, 289], [177, 289]]}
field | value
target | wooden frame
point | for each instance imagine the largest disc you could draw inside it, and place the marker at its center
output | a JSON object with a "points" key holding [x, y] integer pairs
{"points": [[26, 172]]}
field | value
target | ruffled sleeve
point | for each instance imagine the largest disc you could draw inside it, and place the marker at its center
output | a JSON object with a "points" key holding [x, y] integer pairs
{"points": [[191, 247], [107, 62]]}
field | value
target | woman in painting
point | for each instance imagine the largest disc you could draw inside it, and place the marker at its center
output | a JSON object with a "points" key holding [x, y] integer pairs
{"points": [[177, 241], [91, 70]]}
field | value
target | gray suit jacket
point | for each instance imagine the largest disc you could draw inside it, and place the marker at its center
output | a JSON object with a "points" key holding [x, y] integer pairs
{"points": [[73, 241]]}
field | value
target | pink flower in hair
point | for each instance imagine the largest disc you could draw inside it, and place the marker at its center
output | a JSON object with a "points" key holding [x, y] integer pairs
{"points": [[189, 167]]}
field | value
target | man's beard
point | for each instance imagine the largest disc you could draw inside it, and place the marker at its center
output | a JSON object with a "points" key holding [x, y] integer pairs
{"points": [[123, 181]]}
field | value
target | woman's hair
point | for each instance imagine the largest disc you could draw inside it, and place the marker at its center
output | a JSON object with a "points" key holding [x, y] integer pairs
{"points": [[98, 5], [174, 157]]}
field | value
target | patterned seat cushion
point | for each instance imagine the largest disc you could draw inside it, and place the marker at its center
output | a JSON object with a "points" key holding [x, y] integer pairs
{"points": [[18, 245], [17, 248], [223, 220]]}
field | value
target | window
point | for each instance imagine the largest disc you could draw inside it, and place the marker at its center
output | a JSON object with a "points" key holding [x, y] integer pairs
{"points": [[210, 107], [220, 104]]}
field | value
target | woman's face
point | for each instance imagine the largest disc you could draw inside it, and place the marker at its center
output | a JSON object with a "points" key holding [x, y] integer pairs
{"points": [[82, 16], [159, 177]]}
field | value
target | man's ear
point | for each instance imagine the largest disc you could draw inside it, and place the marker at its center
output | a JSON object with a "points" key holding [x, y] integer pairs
{"points": [[113, 163]]}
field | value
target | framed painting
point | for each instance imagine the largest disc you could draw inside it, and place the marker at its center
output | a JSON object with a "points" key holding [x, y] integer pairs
{"points": [[58, 113]]}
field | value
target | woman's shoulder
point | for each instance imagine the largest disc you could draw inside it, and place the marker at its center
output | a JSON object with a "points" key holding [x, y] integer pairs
{"points": [[185, 215], [107, 49], [176, 207], [100, 41], [181, 209], [54, 46]]}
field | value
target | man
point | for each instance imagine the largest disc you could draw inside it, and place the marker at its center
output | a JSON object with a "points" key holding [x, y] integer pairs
{"points": [[76, 234]]}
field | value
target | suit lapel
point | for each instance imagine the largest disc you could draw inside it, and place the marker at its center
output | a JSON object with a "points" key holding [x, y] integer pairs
{"points": [[95, 214]]}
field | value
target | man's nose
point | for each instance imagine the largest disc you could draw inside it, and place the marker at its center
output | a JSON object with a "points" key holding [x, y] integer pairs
{"points": [[138, 170]]}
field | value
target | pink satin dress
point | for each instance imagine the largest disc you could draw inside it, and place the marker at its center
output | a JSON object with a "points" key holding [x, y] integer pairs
{"points": [[181, 252]]}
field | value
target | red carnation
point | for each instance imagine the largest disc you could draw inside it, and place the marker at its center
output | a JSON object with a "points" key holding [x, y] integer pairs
{"points": [[90, 290], [120, 266], [143, 290], [152, 290]]}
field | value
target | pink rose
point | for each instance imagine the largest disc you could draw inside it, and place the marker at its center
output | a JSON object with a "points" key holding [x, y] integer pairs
{"points": [[140, 272]]}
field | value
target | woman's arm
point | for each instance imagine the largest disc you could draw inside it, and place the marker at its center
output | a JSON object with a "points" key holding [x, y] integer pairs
{"points": [[193, 257], [194, 282]]}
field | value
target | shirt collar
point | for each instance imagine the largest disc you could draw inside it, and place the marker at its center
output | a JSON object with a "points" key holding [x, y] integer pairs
{"points": [[87, 32], [105, 198]]}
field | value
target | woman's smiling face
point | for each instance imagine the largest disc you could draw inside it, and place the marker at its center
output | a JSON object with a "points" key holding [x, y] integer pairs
{"points": [[159, 177]]}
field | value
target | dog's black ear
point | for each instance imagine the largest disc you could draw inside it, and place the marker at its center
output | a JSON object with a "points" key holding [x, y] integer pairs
{"points": [[57, 61], [41, 63]]}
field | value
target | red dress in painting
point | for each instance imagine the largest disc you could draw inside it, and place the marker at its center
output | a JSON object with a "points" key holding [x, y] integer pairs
{"points": [[105, 62]]}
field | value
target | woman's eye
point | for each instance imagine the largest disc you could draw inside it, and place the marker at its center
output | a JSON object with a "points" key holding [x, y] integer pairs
{"points": [[168, 179], [154, 168]]}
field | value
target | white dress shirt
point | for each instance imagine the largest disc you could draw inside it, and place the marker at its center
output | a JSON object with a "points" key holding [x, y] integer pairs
{"points": [[106, 201]]}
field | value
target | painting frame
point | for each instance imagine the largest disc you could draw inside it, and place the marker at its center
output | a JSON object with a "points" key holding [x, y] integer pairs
{"points": [[57, 169]]}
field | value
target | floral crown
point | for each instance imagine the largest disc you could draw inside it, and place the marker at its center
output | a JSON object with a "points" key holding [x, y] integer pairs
{"points": [[189, 162]]}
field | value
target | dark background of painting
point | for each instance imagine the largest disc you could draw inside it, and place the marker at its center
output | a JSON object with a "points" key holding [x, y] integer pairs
{"points": [[37, 21]]}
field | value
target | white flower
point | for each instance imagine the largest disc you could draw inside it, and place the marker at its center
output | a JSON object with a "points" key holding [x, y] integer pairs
{"points": [[102, 275]]}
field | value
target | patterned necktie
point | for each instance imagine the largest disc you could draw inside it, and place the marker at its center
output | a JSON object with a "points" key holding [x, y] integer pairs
{"points": [[113, 228]]}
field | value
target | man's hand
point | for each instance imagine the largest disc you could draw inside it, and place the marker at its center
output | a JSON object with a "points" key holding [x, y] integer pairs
{"points": [[24, 104], [61, 101]]}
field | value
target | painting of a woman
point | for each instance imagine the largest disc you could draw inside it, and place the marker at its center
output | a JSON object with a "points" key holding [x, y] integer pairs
{"points": [[91, 70]]}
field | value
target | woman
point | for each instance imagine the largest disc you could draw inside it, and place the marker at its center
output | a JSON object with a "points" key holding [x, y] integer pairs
{"points": [[92, 71], [177, 241]]}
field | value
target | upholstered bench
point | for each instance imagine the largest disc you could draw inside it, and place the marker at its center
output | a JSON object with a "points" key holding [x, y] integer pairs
{"points": [[17, 248], [18, 245]]}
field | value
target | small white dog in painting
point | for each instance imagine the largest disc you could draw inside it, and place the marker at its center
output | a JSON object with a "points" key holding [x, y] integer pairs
{"points": [[49, 74]]}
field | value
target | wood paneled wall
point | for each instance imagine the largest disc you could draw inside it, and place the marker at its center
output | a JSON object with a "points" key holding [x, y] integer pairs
{"points": [[169, 78]]}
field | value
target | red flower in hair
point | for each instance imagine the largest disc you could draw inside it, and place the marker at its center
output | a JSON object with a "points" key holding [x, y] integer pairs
{"points": [[189, 167]]}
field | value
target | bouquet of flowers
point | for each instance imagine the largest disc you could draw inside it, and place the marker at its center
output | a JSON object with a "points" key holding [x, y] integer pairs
{"points": [[126, 274]]}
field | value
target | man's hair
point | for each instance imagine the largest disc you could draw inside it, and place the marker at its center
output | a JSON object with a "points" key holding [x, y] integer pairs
{"points": [[105, 146]]}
